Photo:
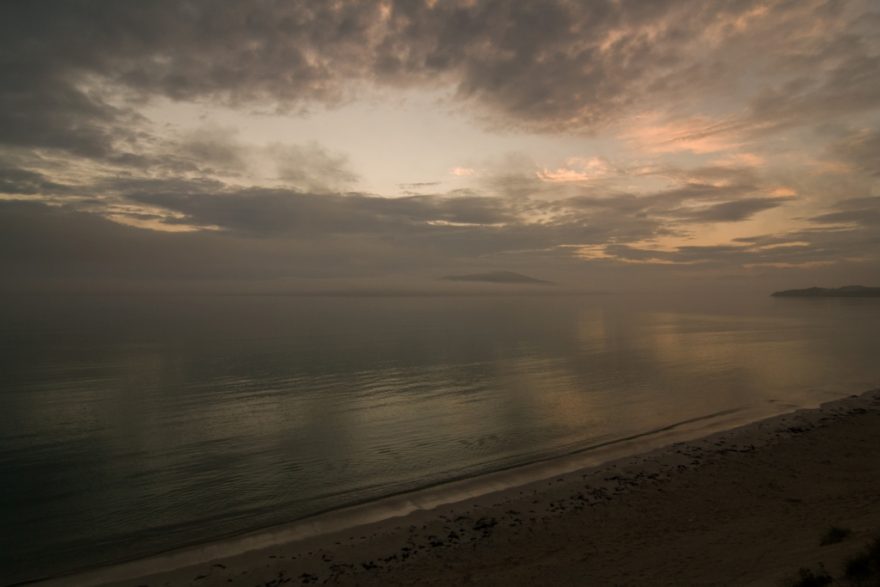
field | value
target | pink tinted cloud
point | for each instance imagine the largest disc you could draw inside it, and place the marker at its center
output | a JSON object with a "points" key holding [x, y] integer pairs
{"points": [[576, 169], [699, 135]]}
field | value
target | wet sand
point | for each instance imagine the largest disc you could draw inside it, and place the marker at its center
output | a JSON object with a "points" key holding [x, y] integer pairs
{"points": [[746, 506]]}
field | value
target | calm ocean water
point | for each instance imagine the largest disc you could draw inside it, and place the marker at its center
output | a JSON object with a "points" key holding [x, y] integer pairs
{"points": [[131, 425]]}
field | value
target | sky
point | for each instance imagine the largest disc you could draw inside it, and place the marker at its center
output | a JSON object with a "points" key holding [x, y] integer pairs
{"points": [[337, 146]]}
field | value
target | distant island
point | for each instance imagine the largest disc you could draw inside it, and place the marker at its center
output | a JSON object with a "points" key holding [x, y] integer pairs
{"points": [[498, 277], [848, 291]]}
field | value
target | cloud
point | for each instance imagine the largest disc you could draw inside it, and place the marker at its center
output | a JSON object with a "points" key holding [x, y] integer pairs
{"points": [[702, 194], [418, 185], [856, 211], [733, 211], [806, 249], [740, 160], [24, 182], [39, 109], [270, 234], [547, 65], [577, 169], [265, 211], [213, 149], [681, 82], [861, 151], [699, 135], [311, 167]]}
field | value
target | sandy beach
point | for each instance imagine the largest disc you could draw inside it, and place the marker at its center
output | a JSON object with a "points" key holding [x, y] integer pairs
{"points": [[747, 506]]}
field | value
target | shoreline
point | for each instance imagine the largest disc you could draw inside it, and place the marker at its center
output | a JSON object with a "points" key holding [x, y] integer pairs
{"points": [[395, 506], [386, 541]]}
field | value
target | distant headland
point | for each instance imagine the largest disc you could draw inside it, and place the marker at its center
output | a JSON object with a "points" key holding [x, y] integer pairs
{"points": [[848, 291], [498, 277]]}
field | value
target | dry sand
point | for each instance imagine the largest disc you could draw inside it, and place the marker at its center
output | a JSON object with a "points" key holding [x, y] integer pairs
{"points": [[742, 507]]}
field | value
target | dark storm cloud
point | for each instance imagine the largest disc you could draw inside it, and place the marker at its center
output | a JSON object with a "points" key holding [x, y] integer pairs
{"points": [[846, 233], [868, 217], [262, 211], [277, 234], [685, 254], [797, 248], [696, 191], [260, 232], [548, 64], [39, 242], [73, 75], [41, 109], [732, 200], [735, 211], [463, 225], [24, 182], [467, 225], [860, 211], [44, 243]]}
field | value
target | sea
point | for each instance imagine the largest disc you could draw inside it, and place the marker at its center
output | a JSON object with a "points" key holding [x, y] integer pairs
{"points": [[135, 425]]}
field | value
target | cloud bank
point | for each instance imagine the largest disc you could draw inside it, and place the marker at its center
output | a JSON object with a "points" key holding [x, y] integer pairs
{"points": [[745, 140]]}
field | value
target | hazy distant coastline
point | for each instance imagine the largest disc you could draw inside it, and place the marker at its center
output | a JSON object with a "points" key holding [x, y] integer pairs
{"points": [[506, 277], [848, 291]]}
